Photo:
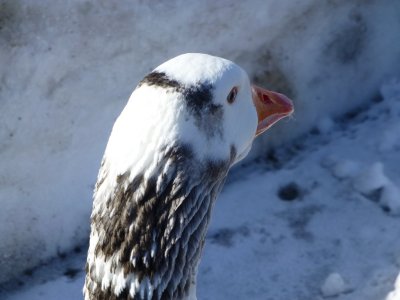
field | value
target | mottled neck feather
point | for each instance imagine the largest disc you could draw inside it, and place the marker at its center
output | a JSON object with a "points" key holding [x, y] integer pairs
{"points": [[147, 236]]}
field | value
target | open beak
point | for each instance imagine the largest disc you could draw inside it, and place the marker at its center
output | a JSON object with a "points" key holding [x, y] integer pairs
{"points": [[271, 107]]}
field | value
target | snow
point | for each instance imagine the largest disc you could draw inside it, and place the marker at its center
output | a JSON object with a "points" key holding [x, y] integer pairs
{"points": [[295, 225], [345, 169], [390, 198], [334, 285], [74, 65], [395, 294], [370, 179], [60, 287], [325, 125]]}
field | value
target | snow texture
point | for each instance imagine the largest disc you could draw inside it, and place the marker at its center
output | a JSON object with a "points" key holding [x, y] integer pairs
{"points": [[395, 294], [283, 226], [73, 65], [334, 285]]}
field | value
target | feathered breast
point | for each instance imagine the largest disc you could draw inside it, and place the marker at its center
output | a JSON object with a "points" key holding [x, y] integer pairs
{"points": [[148, 233]]}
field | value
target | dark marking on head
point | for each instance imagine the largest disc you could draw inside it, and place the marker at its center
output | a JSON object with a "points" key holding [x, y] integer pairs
{"points": [[198, 97], [160, 79], [208, 115]]}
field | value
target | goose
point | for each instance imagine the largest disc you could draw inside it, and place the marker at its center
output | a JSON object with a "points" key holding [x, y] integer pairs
{"points": [[185, 125]]}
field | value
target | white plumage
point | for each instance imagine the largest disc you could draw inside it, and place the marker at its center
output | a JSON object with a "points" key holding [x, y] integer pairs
{"points": [[169, 152]]}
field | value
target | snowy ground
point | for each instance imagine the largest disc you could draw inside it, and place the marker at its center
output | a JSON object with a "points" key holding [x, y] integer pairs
{"points": [[74, 63], [316, 219]]}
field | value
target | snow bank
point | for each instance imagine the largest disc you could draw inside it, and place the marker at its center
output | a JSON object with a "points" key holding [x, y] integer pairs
{"points": [[74, 63], [395, 294], [302, 218], [334, 285]]}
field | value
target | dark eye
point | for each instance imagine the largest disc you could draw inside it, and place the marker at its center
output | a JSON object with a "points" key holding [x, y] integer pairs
{"points": [[232, 95]]}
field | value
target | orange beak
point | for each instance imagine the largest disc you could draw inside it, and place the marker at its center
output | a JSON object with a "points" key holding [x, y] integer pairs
{"points": [[271, 107]]}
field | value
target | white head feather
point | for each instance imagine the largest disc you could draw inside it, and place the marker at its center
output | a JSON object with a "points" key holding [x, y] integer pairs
{"points": [[155, 116]]}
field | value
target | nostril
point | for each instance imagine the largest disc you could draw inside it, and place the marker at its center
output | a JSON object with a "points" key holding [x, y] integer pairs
{"points": [[267, 99]]}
